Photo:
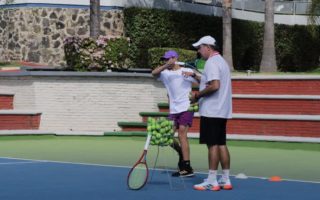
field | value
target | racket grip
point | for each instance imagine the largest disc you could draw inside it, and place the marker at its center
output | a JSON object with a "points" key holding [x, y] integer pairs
{"points": [[147, 142], [180, 63]]}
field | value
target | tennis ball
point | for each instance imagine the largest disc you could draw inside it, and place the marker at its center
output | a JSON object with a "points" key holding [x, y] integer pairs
{"points": [[158, 126], [158, 135], [196, 108]]}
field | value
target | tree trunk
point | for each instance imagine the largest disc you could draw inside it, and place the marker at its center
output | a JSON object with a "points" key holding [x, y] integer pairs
{"points": [[268, 62], [227, 32], [94, 18]]}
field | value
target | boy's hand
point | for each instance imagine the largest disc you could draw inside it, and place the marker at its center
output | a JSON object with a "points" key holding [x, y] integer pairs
{"points": [[170, 62], [187, 74]]}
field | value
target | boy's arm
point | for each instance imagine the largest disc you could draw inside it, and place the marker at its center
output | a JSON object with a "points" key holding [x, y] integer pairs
{"points": [[156, 72]]}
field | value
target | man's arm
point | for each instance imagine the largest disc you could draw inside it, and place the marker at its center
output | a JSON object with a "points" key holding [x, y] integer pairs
{"points": [[212, 86]]}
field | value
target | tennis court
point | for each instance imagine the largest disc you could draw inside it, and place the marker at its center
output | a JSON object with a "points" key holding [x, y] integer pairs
{"points": [[73, 167]]}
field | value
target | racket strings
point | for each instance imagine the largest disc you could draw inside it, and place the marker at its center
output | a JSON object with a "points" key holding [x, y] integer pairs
{"points": [[138, 176]]}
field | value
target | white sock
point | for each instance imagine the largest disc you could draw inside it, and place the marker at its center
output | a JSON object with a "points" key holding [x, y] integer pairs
{"points": [[225, 173], [212, 176]]}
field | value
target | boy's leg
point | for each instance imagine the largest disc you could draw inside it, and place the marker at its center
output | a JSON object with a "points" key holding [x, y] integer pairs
{"points": [[185, 168], [183, 138]]}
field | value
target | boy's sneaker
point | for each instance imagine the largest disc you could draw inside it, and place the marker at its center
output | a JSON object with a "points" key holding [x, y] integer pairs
{"points": [[185, 170], [183, 173], [207, 186], [225, 183]]}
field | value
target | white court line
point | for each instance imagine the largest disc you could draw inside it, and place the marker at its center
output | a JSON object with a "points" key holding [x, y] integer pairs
{"points": [[17, 163], [128, 167]]}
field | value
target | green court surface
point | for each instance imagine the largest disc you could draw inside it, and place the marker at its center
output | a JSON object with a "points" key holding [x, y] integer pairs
{"points": [[297, 161]]}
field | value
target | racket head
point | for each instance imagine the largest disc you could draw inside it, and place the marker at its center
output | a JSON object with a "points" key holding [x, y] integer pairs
{"points": [[138, 176]]}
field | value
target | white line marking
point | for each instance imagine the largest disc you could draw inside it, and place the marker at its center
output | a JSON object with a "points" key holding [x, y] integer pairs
{"points": [[129, 167], [17, 163]]}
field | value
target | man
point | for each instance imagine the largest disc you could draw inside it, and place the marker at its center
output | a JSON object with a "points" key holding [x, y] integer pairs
{"points": [[178, 87], [215, 108]]}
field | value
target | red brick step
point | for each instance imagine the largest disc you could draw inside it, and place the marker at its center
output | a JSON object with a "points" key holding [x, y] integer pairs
{"points": [[17, 120], [6, 101]]}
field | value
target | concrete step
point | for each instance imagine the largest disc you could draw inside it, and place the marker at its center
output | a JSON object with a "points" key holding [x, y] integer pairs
{"points": [[254, 124], [271, 104], [19, 119], [6, 101], [133, 126]]}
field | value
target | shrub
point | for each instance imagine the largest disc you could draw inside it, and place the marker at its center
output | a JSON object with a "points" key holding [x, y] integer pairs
{"points": [[88, 54], [149, 28], [297, 49]]}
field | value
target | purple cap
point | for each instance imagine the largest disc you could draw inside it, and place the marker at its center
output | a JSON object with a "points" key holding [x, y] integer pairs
{"points": [[170, 54]]}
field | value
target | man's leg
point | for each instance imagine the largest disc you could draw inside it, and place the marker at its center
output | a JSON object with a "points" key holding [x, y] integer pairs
{"points": [[211, 183], [224, 157], [225, 165], [213, 157]]}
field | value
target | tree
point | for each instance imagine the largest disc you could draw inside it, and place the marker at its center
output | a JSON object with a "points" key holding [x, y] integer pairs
{"points": [[268, 61], [227, 31], [314, 11], [94, 18]]}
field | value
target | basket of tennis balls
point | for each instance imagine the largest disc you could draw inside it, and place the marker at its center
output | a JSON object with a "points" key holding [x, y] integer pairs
{"points": [[161, 130]]}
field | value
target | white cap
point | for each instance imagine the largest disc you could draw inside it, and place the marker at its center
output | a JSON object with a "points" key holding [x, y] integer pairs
{"points": [[205, 40]]}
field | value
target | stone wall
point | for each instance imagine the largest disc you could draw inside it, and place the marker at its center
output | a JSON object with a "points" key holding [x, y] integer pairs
{"points": [[37, 34]]}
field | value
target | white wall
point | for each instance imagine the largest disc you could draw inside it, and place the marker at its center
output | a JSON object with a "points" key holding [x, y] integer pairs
{"points": [[84, 103]]}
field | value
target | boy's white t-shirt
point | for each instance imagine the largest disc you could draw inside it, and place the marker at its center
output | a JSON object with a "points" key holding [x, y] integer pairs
{"points": [[218, 104], [178, 88]]}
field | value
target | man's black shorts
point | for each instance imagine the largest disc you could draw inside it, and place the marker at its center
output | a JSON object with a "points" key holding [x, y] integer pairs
{"points": [[213, 131]]}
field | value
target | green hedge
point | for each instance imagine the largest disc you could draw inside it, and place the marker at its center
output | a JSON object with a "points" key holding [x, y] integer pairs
{"points": [[297, 49], [156, 53]]}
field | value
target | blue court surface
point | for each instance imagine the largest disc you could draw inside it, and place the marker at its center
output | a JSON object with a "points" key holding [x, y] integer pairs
{"points": [[47, 180]]}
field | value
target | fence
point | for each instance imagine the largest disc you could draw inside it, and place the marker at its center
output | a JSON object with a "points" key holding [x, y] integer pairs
{"points": [[280, 7]]}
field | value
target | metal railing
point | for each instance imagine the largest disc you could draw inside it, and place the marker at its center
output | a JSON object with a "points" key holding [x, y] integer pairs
{"points": [[280, 7]]}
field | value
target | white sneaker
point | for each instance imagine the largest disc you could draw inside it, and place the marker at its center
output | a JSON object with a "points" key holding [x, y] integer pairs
{"points": [[225, 183], [207, 186]]}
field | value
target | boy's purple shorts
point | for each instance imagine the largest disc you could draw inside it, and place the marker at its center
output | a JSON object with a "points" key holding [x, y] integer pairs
{"points": [[183, 118]]}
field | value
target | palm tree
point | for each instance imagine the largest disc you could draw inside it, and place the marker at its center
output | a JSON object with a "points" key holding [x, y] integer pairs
{"points": [[227, 31], [268, 62], [94, 18]]}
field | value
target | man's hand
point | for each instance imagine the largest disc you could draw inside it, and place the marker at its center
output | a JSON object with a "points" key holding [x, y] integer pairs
{"points": [[194, 98]]}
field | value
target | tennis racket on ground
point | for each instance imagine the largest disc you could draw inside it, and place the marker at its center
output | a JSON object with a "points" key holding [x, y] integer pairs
{"points": [[138, 175]]}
